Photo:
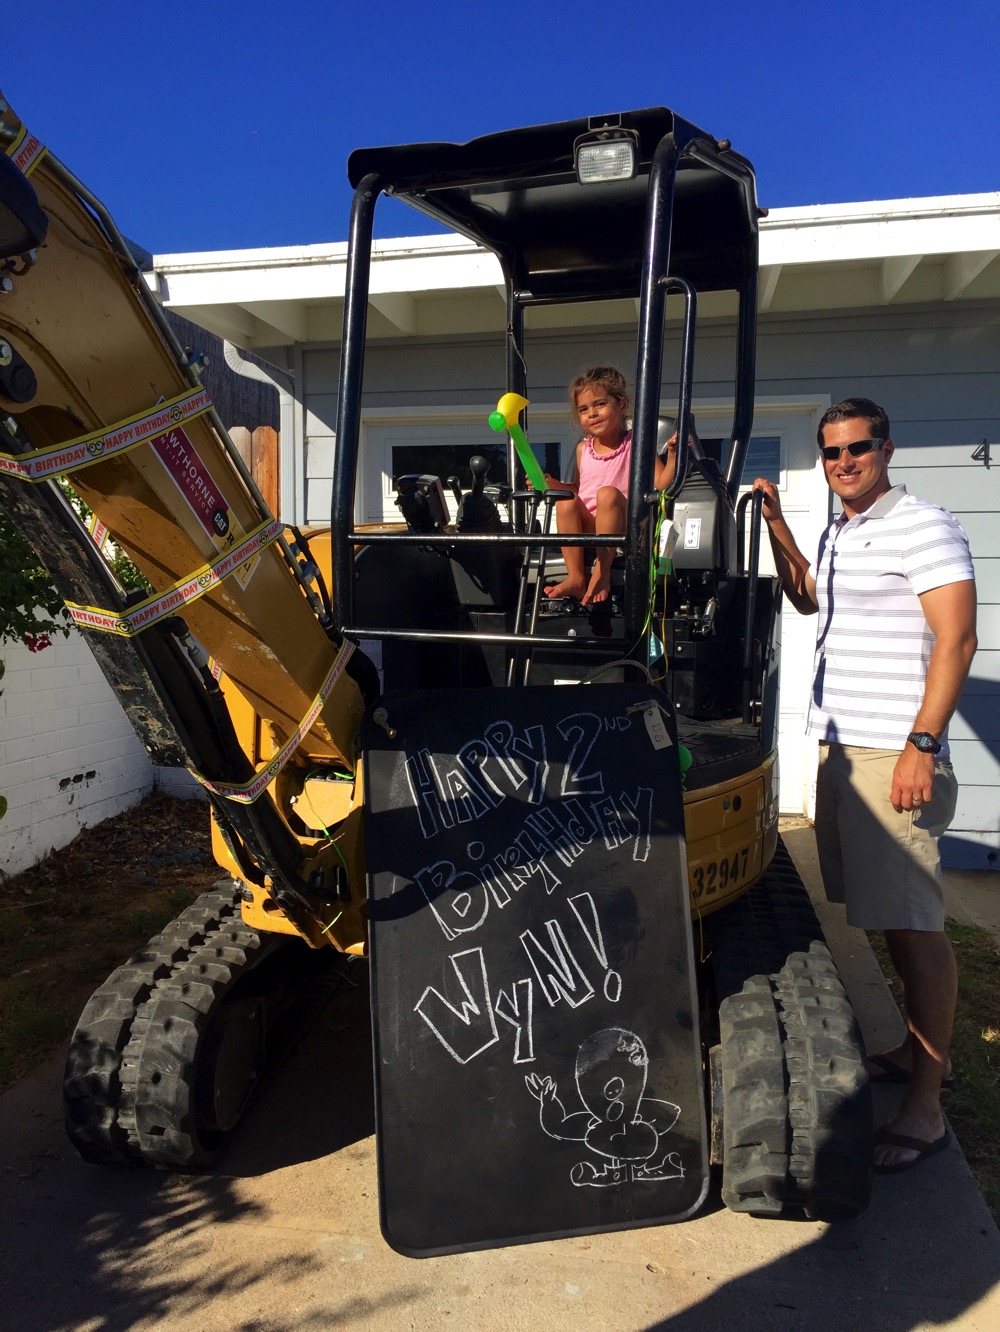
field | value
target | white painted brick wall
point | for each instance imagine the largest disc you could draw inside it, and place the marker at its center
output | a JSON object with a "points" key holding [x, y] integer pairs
{"points": [[68, 757]]}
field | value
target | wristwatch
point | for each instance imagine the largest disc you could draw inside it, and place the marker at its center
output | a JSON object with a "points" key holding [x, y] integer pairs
{"points": [[924, 741]]}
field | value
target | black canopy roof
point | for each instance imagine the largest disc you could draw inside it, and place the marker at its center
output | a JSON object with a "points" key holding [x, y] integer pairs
{"points": [[517, 194]]}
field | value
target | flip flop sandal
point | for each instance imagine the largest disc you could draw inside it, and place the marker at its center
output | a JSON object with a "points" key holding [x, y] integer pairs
{"points": [[886, 1138]]}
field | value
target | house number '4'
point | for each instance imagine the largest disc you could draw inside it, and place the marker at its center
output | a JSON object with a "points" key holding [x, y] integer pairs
{"points": [[982, 454]]}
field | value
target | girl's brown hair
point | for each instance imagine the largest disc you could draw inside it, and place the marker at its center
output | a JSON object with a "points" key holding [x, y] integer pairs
{"points": [[607, 377]]}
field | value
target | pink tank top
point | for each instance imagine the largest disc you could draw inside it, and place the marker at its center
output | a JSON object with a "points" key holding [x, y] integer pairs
{"points": [[603, 469]]}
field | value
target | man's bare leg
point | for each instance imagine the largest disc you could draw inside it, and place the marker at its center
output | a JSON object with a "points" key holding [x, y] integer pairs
{"points": [[572, 517], [925, 963], [902, 1055]]}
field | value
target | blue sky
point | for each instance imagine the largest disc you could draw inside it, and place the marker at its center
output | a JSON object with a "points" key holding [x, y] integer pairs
{"points": [[228, 125]]}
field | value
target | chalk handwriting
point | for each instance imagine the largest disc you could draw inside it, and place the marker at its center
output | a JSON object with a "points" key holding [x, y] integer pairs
{"points": [[560, 975], [523, 758], [456, 897], [566, 833], [467, 1031], [516, 1007], [582, 729], [557, 833], [640, 807], [560, 968], [504, 762]]}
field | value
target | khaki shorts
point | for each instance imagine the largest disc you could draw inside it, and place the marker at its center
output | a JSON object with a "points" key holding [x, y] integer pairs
{"points": [[883, 866]]}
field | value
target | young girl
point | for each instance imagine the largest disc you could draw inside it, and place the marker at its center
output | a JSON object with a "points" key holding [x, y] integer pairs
{"points": [[599, 398]]}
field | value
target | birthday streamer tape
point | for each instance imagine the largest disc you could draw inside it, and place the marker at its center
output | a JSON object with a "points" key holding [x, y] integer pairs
{"points": [[139, 617], [247, 792], [58, 459]]}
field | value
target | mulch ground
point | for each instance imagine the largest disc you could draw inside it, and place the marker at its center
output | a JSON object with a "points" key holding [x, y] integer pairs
{"points": [[69, 921]]}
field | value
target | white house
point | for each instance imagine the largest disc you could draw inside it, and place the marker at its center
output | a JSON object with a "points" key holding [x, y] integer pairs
{"points": [[898, 301]]}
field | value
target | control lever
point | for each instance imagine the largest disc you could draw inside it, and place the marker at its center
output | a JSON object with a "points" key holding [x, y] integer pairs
{"points": [[479, 467], [455, 486], [478, 512]]}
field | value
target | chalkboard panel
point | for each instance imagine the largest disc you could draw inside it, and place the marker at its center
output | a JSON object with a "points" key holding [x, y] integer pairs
{"points": [[537, 1061]]}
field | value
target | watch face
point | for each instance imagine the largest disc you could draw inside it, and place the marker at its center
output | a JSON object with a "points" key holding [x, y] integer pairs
{"points": [[924, 742]]}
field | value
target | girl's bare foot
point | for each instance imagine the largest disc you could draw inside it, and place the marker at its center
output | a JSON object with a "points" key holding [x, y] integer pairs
{"points": [[569, 587], [600, 587]]}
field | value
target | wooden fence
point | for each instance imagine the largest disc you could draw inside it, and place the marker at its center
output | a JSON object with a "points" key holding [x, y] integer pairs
{"points": [[259, 450]]}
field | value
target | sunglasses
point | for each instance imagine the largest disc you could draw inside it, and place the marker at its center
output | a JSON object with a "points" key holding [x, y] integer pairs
{"points": [[857, 450]]}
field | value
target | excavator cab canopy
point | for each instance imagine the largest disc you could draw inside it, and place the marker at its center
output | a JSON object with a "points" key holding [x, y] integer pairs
{"points": [[520, 194]]}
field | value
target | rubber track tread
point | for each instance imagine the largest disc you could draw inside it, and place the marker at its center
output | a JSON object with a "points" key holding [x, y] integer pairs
{"points": [[797, 1118], [755, 1130], [160, 1063], [829, 1095], [92, 1081], [797, 1114]]}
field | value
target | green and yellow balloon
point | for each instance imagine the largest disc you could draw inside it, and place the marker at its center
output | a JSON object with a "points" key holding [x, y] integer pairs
{"points": [[505, 417]]}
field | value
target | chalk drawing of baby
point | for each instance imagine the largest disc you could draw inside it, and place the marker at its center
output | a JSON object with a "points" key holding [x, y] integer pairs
{"points": [[622, 1128]]}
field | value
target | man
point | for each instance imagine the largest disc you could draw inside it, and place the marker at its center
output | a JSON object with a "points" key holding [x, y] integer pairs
{"points": [[894, 589]]}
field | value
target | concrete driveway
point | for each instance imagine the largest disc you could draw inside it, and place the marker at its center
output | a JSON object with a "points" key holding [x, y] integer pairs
{"points": [[284, 1235]]}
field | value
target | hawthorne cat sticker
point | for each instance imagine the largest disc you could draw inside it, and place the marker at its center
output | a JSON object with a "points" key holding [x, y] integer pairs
{"points": [[204, 498]]}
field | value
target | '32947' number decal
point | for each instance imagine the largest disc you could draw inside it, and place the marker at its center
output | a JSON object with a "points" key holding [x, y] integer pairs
{"points": [[717, 875]]}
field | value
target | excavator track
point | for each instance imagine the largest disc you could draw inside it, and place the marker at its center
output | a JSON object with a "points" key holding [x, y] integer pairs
{"points": [[155, 1072], [829, 1098], [796, 1113]]}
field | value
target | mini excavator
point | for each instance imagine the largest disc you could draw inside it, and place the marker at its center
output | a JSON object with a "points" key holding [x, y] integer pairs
{"points": [[551, 831]]}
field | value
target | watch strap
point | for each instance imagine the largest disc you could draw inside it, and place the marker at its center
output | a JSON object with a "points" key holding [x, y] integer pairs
{"points": [[924, 741]]}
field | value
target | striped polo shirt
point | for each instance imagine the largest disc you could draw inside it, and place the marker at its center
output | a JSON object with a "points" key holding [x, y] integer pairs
{"points": [[872, 641]]}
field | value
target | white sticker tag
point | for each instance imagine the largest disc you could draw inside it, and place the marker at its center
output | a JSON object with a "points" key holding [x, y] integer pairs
{"points": [[668, 539], [692, 533], [653, 718]]}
